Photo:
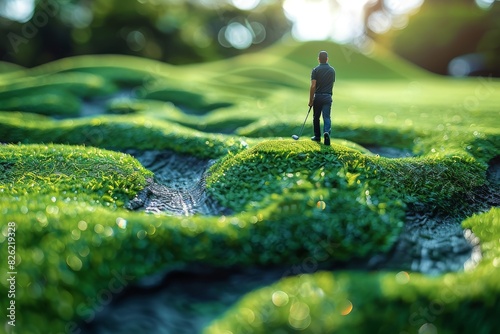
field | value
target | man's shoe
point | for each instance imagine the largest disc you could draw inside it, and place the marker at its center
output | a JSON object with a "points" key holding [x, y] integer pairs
{"points": [[327, 138], [314, 138]]}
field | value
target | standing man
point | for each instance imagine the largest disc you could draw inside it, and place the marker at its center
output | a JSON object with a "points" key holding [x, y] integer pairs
{"points": [[320, 96]]}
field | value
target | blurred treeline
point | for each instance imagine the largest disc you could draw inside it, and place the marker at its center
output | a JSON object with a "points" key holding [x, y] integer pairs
{"points": [[448, 32], [188, 31], [175, 31]]}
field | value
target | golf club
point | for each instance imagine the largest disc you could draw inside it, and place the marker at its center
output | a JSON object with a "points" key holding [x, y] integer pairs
{"points": [[302, 129]]}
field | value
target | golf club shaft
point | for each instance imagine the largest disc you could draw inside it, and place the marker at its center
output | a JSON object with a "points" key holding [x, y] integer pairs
{"points": [[302, 129]]}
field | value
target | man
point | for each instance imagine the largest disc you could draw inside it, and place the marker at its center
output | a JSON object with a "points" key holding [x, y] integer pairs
{"points": [[320, 96]]}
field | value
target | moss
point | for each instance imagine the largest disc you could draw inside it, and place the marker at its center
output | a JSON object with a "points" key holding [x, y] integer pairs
{"points": [[119, 133], [249, 176], [346, 302], [79, 84], [51, 104], [70, 171], [293, 201], [195, 102]]}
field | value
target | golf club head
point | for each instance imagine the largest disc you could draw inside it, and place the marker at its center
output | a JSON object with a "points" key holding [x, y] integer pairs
{"points": [[295, 137]]}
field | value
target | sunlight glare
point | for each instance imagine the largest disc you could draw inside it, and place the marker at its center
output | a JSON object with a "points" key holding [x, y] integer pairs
{"points": [[485, 4], [340, 20], [379, 22], [312, 18], [398, 7], [344, 20], [245, 4], [18, 10]]}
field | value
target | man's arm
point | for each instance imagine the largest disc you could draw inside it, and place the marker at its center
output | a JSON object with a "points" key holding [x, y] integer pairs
{"points": [[311, 92]]}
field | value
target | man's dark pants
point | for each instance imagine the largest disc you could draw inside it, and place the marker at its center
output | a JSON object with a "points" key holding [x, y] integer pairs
{"points": [[322, 106]]}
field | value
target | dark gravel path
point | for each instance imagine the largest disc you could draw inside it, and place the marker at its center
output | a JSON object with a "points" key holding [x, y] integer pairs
{"points": [[178, 187]]}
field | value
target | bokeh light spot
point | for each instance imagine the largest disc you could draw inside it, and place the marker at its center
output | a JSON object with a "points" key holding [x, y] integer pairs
{"points": [[299, 317], [399, 7], [238, 35], [280, 298], [37, 256], [299, 311], [402, 277], [346, 307], [136, 40], [141, 234], [459, 67], [122, 223], [98, 228], [82, 225], [52, 209], [427, 328], [77, 16], [75, 234], [248, 315], [259, 32], [379, 22], [74, 262]]}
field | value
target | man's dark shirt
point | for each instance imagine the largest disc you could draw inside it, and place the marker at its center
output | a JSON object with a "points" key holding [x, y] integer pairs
{"points": [[324, 75]]}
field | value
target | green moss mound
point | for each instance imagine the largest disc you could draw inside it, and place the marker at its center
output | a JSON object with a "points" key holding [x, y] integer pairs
{"points": [[347, 302], [64, 185], [118, 132], [70, 171], [271, 167]]}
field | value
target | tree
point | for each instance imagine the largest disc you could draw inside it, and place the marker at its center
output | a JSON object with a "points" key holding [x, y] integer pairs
{"points": [[448, 32], [172, 31]]}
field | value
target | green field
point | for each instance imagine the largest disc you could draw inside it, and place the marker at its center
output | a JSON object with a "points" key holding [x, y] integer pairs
{"points": [[65, 182]]}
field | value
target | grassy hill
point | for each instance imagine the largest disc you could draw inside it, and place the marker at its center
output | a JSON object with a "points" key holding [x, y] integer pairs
{"points": [[66, 179]]}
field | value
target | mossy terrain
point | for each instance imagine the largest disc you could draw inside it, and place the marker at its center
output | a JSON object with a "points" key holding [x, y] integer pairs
{"points": [[65, 183], [386, 302]]}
